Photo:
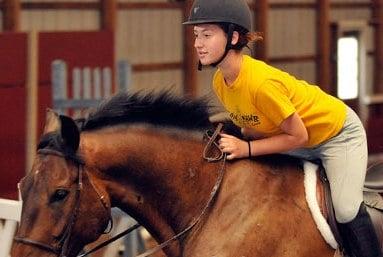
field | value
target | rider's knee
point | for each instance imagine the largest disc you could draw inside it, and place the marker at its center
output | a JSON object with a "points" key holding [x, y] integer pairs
{"points": [[345, 212]]}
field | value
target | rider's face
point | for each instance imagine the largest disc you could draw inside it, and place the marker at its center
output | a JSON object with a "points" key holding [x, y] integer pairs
{"points": [[210, 42]]}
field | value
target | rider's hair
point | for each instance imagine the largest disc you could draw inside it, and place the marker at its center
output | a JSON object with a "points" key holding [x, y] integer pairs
{"points": [[245, 36]]}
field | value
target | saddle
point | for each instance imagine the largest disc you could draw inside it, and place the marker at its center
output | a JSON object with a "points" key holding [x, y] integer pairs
{"points": [[373, 188]]}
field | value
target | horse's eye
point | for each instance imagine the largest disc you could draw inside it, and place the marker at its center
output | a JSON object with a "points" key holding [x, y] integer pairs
{"points": [[59, 195]]}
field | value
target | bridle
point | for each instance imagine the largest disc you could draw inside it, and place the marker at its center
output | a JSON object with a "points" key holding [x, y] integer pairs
{"points": [[63, 246]]}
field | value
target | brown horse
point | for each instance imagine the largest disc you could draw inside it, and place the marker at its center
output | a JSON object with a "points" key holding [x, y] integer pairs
{"points": [[143, 154]]}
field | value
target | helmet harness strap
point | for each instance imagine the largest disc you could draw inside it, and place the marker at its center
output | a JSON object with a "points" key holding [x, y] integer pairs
{"points": [[229, 46]]}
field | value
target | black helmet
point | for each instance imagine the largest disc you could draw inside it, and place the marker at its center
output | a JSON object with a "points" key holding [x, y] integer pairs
{"points": [[220, 11]]}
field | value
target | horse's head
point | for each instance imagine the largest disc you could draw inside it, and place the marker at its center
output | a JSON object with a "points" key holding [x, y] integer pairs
{"points": [[63, 207]]}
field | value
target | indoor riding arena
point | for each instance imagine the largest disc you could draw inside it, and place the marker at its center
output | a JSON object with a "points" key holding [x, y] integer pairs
{"points": [[107, 135]]}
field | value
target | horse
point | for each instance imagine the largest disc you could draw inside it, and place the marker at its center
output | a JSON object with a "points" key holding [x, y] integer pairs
{"points": [[143, 154]]}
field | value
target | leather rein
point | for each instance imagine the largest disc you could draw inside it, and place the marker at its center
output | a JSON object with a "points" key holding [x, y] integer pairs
{"points": [[62, 247]]}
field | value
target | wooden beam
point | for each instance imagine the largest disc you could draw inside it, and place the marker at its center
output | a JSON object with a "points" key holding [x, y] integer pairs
{"points": [[323, 44], [377, 13], [108, 14], [190, 60], [350, 5], [295, 5], [261, 25], [304, 5], [11, 15], [292, 59], [150, 5], [79, 5], [144, 67], [53, 5], [95, 5]]}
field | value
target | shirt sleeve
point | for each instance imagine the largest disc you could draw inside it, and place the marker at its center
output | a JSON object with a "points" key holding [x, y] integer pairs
{"points": [[272, 100]]}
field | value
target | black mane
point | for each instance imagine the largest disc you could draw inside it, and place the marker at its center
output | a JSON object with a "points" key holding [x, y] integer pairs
{"points": [[163, 109]]}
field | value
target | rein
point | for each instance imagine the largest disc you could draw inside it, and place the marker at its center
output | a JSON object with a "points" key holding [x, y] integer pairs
{"points": [[62, 248], [212, 142]]}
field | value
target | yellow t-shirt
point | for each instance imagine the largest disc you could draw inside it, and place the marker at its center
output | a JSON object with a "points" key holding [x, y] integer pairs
{"points": [[262, 97]]}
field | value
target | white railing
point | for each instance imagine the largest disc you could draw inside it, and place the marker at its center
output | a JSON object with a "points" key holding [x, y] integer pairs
{"points": [[89, 85], [10, 212]]}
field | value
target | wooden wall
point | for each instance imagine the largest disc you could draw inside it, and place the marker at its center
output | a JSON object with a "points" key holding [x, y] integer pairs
{"points": [[18, 137], [13, 70], [150, 37], [149, 34]]}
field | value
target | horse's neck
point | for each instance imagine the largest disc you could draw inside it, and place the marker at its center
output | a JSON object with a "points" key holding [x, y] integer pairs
{"points": [[159, 179]]}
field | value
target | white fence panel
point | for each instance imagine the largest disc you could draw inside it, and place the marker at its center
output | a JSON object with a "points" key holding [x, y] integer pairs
{"points": [[10, 212]]}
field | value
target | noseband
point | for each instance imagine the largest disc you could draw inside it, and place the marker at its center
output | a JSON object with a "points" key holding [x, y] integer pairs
{"points": [[62, 247]]}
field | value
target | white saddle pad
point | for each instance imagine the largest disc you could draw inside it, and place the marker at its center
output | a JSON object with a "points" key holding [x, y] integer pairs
{"points": [[310, 182]]}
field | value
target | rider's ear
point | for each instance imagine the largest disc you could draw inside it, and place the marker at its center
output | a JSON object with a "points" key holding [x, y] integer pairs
{"points": [[235, 38], [70, 133]]}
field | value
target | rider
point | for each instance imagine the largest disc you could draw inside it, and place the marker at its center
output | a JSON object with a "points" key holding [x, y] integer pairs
{"points": [[284, 115]]}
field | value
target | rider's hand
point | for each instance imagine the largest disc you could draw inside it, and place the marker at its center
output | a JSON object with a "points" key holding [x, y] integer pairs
{"points": [[233, 146]]}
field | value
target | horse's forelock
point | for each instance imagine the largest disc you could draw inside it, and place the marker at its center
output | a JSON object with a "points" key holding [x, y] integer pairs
{"points": [[54, 141], [50, 140]]}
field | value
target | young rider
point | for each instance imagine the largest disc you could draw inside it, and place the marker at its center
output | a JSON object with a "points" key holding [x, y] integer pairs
{"points": [[285, 115]]}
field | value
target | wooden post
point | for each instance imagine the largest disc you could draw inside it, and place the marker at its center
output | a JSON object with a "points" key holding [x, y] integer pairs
{"points": [[323, 45], [109, 10], [378, 42], [32, 99], [108, 14], [261, 25], [190, 59], [11, 15]]}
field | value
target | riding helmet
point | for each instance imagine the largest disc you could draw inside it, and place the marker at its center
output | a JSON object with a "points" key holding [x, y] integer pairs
{"points": [[220, 11]]}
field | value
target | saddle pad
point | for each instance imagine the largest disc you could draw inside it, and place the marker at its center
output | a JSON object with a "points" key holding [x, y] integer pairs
{"points": [[310, 180]]}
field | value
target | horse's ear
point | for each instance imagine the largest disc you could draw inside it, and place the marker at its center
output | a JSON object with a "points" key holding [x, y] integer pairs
{"points": [[69, 132], [52, 122]]}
